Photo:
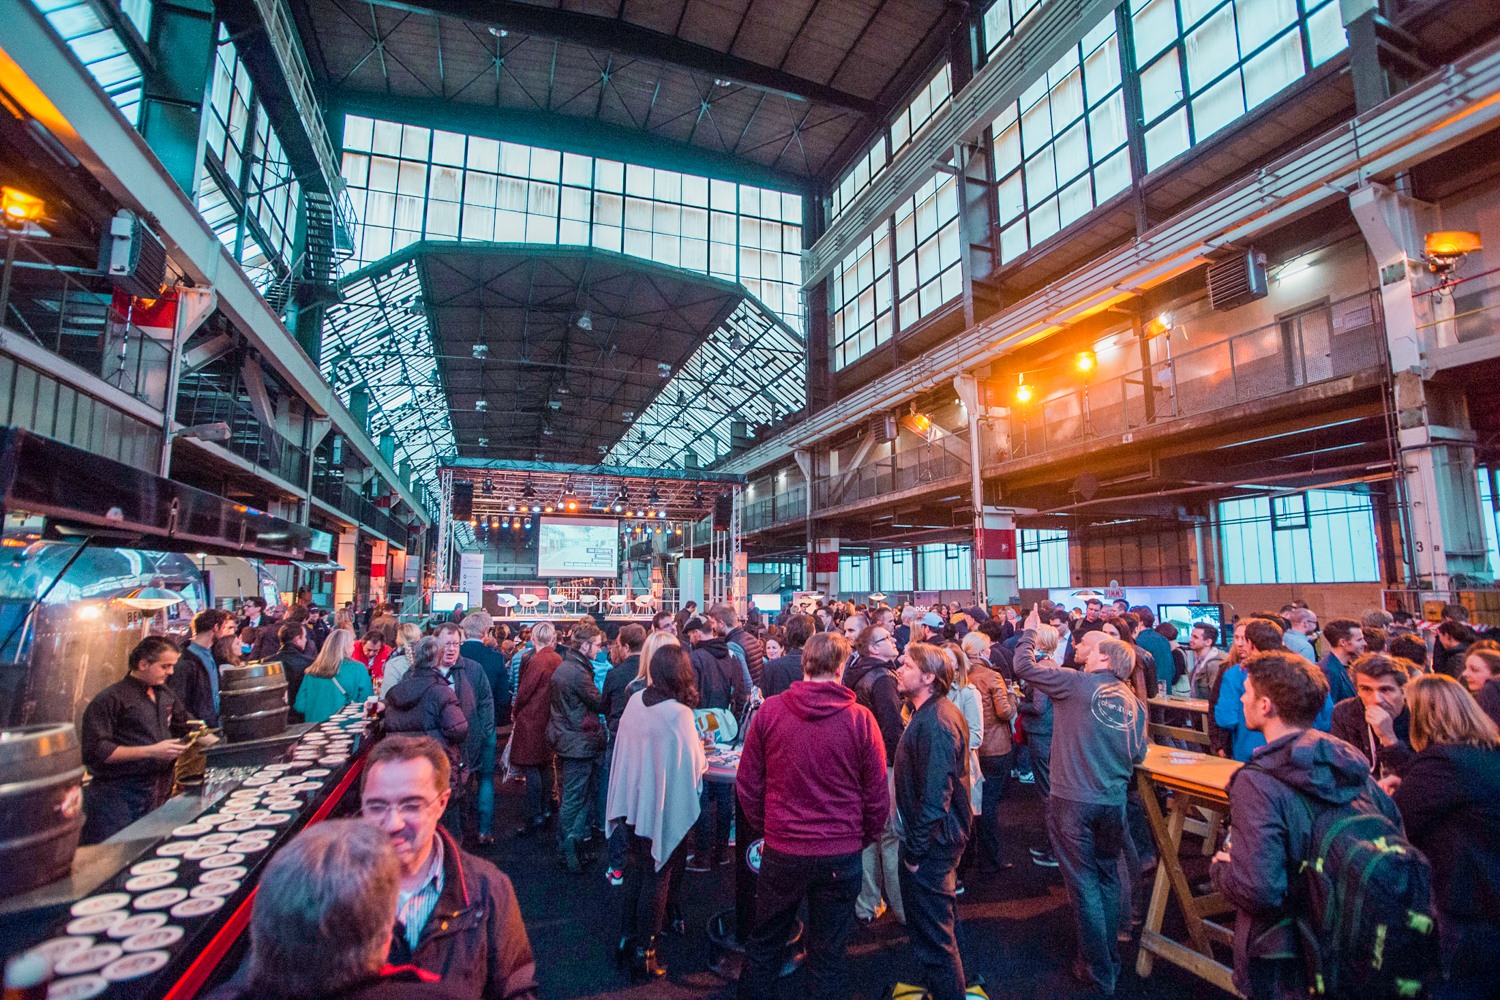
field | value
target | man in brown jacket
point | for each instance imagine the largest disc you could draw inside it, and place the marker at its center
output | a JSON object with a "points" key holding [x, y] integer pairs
{"points": [[998, 706]]}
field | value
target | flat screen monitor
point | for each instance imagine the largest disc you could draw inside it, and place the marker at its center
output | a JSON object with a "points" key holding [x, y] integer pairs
{"points": [[449, 600], [1185, 616], [578, 546], [767, 603]]}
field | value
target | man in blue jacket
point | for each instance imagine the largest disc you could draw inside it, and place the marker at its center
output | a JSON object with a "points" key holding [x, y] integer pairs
{"points": [[1346, 643], [1251, 636]]}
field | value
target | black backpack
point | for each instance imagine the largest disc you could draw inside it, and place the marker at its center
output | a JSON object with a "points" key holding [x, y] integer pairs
{"points": [[1363, 908]]}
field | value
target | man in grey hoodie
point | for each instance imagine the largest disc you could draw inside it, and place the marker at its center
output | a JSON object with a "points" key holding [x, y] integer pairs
{"points": [[1099, 735]]}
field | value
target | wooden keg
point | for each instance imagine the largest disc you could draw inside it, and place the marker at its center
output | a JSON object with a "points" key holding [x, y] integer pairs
{"points": [[41, 805], [252, 701]]}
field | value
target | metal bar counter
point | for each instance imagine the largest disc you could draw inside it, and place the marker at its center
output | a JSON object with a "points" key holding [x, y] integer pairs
{"points": [[175, 911]]}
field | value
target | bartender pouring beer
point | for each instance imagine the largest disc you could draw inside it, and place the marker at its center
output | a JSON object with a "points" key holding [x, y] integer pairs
{"points": [[132, 735]]}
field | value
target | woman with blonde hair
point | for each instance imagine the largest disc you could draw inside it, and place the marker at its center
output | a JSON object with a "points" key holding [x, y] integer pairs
{"points": [[334, 679], [399, 665], [1449, 797], [654, 641]]}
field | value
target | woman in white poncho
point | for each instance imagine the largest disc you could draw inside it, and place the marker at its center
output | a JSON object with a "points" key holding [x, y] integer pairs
{"points": [[655, 777]]}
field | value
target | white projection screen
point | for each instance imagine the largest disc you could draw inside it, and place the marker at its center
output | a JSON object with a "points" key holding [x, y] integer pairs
{"points": [[578, 546]]}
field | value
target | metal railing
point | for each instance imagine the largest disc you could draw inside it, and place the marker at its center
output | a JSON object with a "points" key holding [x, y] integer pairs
{"points": [[786, 506], [336, 493], [904, 470], [248, 437], [70, 312], [1345, 338]]}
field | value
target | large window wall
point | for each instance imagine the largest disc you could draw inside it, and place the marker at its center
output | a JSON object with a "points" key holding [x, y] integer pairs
{"points": [[410, 183], [248, 193], [928, 101], [1061, 149], [945, 567], [101, 49], [1205, 63], [1043, 559], [1320, 536]]}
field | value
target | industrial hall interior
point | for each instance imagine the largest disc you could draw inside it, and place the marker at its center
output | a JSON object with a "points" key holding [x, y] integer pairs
{"points": [[707, 499]]}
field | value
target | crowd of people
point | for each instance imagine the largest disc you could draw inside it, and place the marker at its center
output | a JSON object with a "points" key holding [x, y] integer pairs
{"points": [[879, 747]]}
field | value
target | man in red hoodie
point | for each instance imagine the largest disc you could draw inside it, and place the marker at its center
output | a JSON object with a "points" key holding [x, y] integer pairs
{"points": [[812, 775]]}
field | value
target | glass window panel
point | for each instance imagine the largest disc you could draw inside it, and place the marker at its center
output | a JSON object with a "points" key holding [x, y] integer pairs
{"points": [[484, 154], [1041, 176], [448, 148], [1212, 48], [1044, 221], [1007, 148], [1218, 106], [415, 142], [1154, 27], [358, 132], [1325, 34], [1101, 70], [1261, 20], [546, 164], [1107, 126], [1010, 197], [1112, 176], [1161, 86], [1071, 152], [578, 170], [1193, 11], [1013, 242], [609, 175], [1067, 99], [1167, 139], [1275, 69], [1074, 201]]}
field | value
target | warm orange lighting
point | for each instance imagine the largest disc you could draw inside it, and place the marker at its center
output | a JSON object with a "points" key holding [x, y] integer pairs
{"points": [[547, 509], [1025, 393], [19, 208], [922, 422], [572, 504], [1085, 362], [1452, 244]]}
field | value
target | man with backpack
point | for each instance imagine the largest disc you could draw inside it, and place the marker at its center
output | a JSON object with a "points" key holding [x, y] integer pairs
{"points": [[1328, 891]]}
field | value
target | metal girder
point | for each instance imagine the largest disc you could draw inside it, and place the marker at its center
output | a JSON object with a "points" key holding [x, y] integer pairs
{"points": [[573, 134], [624, 38]]}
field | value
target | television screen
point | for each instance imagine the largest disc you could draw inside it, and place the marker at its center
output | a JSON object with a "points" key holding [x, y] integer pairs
{"points": [[767, 603], [578, 546], [448, 600], [1185, 616]]}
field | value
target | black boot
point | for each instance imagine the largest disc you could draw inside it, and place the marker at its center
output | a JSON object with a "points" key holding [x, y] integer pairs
{"points": [[644, 965]]}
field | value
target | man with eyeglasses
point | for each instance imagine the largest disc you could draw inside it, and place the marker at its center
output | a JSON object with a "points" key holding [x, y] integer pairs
{"points": [[1300, 637], [456, 915], [873, 679], [477, 700]]}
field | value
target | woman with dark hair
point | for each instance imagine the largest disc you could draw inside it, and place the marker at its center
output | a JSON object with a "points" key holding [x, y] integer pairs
{"points": [[656, 776], [1449, 797]]}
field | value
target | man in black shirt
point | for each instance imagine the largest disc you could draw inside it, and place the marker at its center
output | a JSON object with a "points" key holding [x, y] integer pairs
{"points": [[131, 737]]}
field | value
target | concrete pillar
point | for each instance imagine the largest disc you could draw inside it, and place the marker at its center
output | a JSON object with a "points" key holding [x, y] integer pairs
{"points": [[343, 580], [823, 566], [998, 542], [1444, 527], [378, 579]]}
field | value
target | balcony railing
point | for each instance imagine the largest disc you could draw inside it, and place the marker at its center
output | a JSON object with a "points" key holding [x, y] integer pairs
{"points": [[1346, 338], [787, 506], [248, 437], [338, 495], [70, 313], [906, 470]]}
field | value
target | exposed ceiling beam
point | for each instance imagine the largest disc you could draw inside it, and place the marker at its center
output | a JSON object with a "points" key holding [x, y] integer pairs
{"points": [[624, 38], [571, 134]]}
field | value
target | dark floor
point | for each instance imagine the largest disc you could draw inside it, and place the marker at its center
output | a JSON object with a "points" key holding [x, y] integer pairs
{"points": [[1018, 933]]}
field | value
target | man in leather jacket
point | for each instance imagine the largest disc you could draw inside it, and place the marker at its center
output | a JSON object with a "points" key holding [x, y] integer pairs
{"points": [[932, 802]]}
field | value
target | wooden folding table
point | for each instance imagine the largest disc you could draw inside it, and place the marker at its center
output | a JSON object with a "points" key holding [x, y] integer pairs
{"points": [[1193, 780]]}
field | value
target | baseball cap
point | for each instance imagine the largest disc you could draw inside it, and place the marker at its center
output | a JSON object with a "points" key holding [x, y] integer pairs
{"points": [[696, 624], [931, 620], [979, 615]]}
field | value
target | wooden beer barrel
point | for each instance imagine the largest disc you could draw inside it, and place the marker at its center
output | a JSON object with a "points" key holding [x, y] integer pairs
{"points": [[252, 701], [41, 805]]}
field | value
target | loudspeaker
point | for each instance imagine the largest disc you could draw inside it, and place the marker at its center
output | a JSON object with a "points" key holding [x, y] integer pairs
{"points": [[723, 512], [463, 500]]}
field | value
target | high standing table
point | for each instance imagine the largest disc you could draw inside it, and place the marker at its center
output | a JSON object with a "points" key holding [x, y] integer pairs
{"points": [[1164, 727], [1194, 780]]}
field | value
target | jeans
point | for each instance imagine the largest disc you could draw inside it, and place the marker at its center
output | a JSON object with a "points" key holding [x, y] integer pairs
{"points": [[578, 776], [1041, 762], [932, 924], [881, 867], [484, 804], [996, 771], [829, 884], [541, 789], [649, 893], [1088, 839], [711, 832]]}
